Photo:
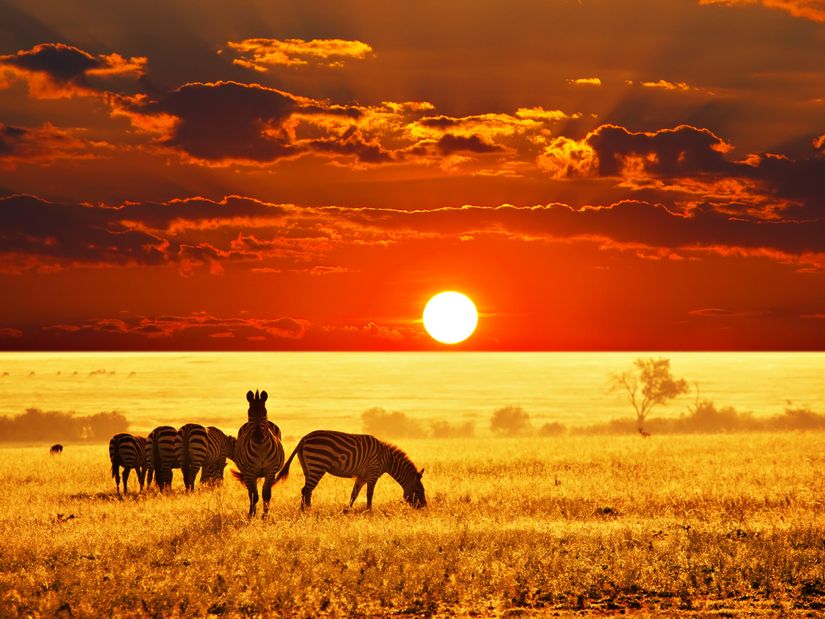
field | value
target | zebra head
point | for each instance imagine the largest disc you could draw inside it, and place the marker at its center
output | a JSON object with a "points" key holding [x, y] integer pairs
{"points": [[414, 491], [257, 405]]}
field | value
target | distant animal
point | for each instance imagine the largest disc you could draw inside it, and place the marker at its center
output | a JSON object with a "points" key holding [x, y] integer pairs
{"points": [[219, 448], [129, 452], [194, 445], [644, 434], [258, 452], [164, 444], [361, 456], [56, 450]]}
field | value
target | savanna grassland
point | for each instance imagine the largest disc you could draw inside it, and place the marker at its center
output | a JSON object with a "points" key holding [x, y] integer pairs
{"points": [[724, 525]]}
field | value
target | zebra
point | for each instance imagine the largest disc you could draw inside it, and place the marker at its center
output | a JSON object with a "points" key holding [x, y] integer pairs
{"points": [[194, 445], [129, 452], [258, 452], [361, 456], [56, 449], [164, 447], [219, 448]]}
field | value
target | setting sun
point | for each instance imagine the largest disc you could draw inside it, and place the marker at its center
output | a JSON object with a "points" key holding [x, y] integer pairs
{"points": [[450, 317]]}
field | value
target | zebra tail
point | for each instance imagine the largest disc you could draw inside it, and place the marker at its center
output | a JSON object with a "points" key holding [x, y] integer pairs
{"points": [[284, 472], [237, 475]]}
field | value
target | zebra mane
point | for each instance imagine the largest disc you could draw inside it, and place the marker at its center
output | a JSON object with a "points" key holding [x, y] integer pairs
{"points": [[399, 455]]}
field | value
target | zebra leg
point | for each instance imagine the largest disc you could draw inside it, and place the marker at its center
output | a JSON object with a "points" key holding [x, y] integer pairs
{"points": [[141, 473], [117, 477], [370, 490], [252, 488], [309, 486], [356, 489], [266, 493], [126, 471]]}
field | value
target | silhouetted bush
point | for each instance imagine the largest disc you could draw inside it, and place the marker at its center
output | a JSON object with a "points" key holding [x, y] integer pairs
{"points": [[379, 422], [444, 429], [36, 425], [552, 429], [705, 418], [510, 421]]}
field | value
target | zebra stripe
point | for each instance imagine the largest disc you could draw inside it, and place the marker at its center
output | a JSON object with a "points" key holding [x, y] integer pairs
{"points": [[129, 452], [164, 445], [219, 448], [194, 445], [258, 452], [361, 456]]}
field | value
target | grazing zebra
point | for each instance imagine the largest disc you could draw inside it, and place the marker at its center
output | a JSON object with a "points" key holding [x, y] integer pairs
{"points": [[164, 445], [258, 452], [361, 456], [129, 452], [194, 445], [56, 450], [219, 448]]}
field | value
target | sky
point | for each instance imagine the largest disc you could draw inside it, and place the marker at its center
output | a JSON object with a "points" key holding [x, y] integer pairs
{"points": [[258, 175]]}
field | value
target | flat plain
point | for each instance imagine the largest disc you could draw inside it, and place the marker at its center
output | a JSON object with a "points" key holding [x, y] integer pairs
{"points": [[720, 525]]}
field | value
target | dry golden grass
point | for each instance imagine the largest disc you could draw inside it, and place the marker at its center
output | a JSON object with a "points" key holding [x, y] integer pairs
{"points": [[721, 525]]}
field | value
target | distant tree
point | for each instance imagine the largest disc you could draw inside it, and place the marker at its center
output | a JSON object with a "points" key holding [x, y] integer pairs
{"points": [[379, 422], [445, 429], [649, 383], [553, 428], [37, 425], [510, 421]]}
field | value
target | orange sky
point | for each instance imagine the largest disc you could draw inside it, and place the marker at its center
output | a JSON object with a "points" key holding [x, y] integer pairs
{"points": [[596, 175]]}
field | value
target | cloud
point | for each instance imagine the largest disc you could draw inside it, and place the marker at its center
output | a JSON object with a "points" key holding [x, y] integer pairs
{"points": [[261, 54], [449, 144], [45, 145], [692, 166], [666, 85], [486, 126], [198, 323], [585, 81], [225, 123], [813, 10], [56, 70], [276, 238]]}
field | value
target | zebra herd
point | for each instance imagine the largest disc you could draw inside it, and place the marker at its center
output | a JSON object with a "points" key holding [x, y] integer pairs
{"points": [[258, 453]]}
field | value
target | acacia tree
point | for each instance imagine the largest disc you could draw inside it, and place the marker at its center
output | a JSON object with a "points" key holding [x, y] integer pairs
{"points": [[649, 383]]}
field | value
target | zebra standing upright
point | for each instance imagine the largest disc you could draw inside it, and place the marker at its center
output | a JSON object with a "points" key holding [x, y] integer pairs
{"points": [[193, 450], [258, 452], [361, 456], [219, 448], [164, 444], [129, 452]]}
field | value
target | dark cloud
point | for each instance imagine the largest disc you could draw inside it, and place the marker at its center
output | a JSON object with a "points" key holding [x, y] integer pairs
{"points": [[449, 144], [191, 233], [45, 145], [55, 70], [226, 122], [199, 324], [692, 165], [682, 151]]}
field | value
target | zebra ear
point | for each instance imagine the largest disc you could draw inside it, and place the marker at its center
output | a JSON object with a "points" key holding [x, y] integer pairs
{"points": [[264, 396], [420, 473], [249, 396]]}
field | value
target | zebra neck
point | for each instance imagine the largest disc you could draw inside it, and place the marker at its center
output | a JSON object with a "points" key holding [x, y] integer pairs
{"points": [[400, 469]]}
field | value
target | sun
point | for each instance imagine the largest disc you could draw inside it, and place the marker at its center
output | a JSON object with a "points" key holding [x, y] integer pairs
{"points": [[450, 317]]}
